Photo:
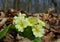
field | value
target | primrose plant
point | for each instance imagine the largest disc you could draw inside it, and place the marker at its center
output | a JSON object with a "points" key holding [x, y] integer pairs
{"points": [[30, 27]]}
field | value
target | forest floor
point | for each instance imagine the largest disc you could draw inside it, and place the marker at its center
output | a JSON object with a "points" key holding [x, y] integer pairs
{"points": [[52, 28]]}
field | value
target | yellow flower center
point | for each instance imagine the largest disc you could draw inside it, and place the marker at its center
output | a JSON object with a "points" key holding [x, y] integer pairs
{"points": [[21, 24], [31, 21], [37, 30]]}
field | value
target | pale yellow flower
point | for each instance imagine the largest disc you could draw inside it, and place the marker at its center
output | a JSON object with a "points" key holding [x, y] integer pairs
{"points": [[41, 23], [21, 25], [19, 17], [31, 21], [38, 31], [16, 20], [22, 16], [20, 22]]}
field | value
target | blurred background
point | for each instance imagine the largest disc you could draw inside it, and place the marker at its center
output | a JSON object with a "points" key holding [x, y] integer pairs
{"points": [[31, 6]]}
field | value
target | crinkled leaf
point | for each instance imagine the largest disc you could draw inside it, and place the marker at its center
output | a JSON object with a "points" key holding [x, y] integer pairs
{"points": [[28, 33], [4, 31], [37, 40]]}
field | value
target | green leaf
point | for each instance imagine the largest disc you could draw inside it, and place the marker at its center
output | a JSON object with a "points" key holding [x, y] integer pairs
{"points": [[12, 27], [27, 33], [37, 40], [4, 31]]}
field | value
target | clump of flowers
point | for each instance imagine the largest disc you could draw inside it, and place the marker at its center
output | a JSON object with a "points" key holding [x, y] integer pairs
{"points": [[22, 22]]}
